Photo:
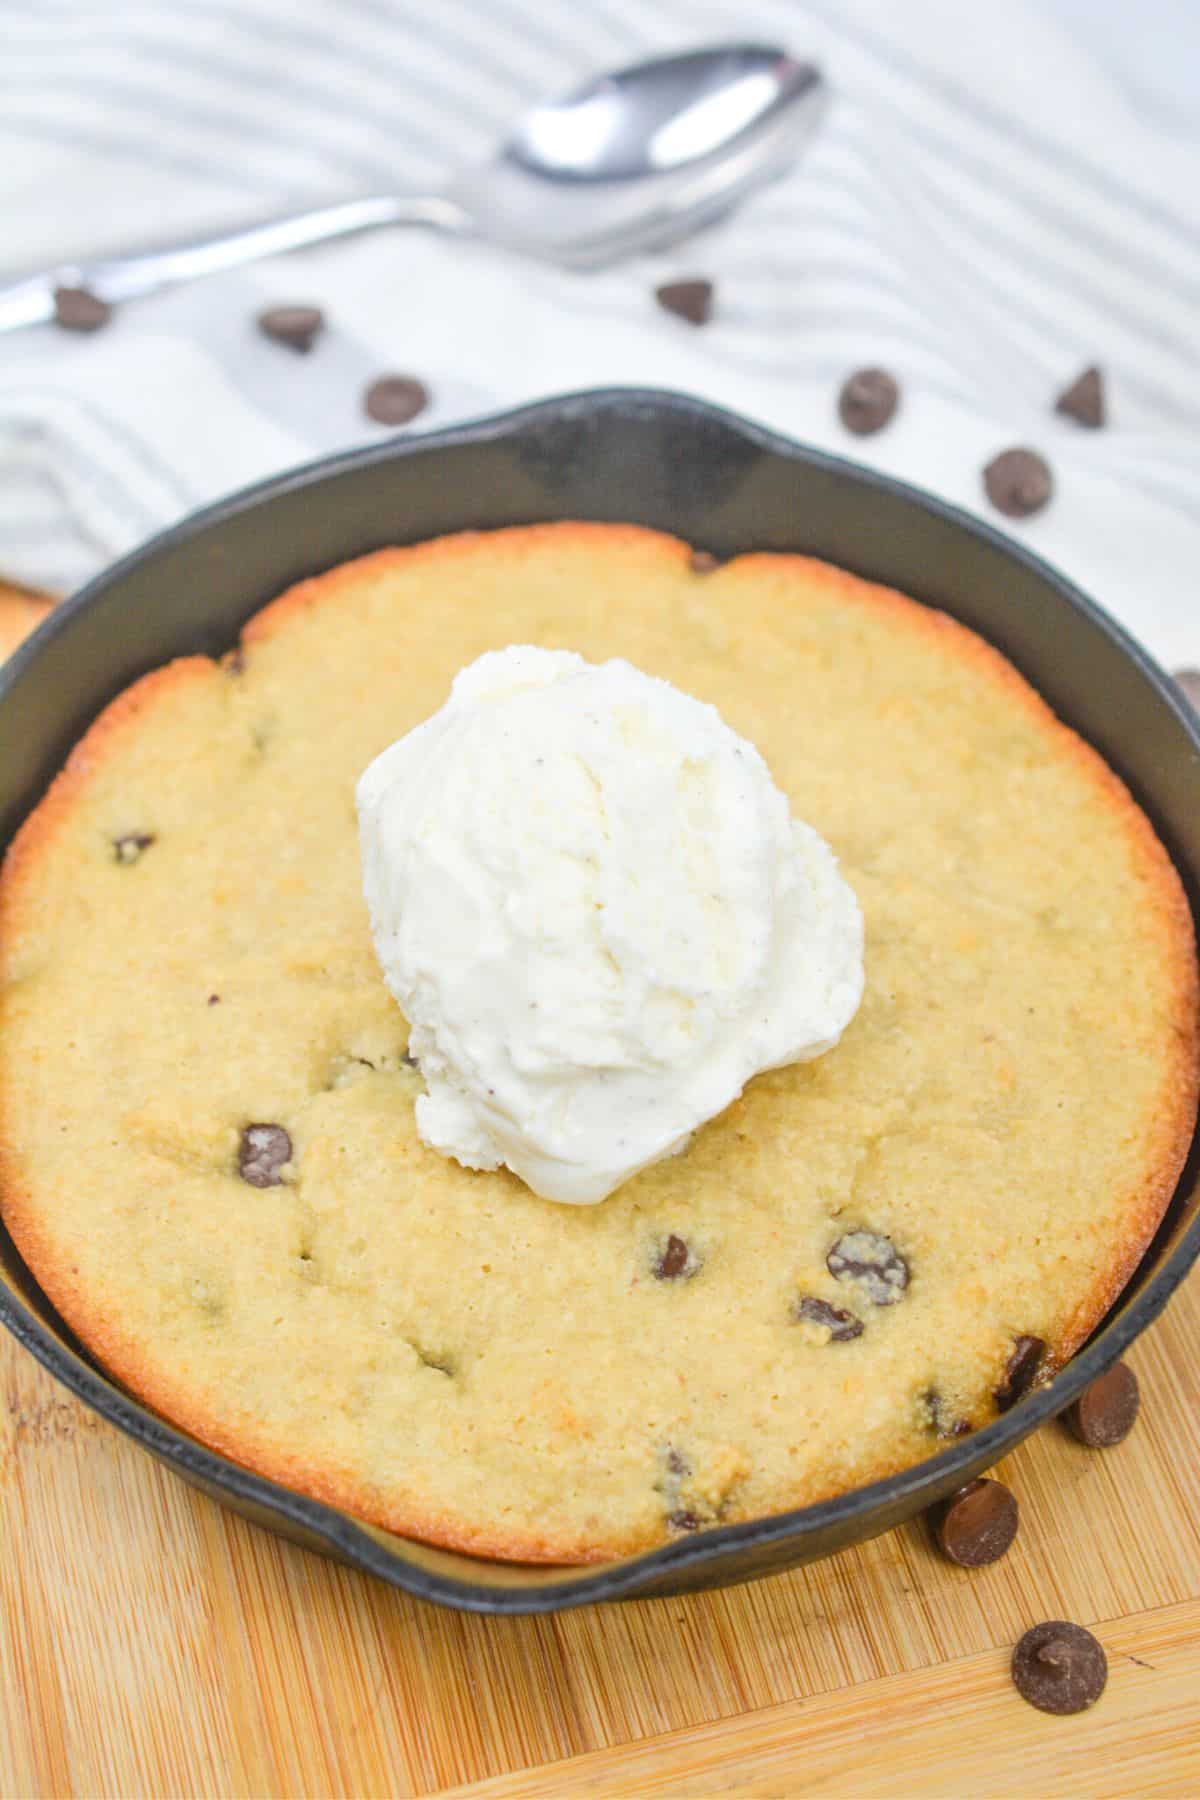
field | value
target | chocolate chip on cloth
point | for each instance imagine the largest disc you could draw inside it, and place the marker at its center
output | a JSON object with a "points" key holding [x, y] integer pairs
{"points": [[1083, 401], [296, 326], [690, 300], [977, 1525], [262, 1153], [75, 309], [868, 401], [841, 1325], [1104, 1413], [1059, 1667], [1018, 483], [1024, 1362], [395, 399], [873, 1261]]}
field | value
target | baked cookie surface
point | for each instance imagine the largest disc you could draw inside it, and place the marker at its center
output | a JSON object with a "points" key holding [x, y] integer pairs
{"points": [[847, 1267]]}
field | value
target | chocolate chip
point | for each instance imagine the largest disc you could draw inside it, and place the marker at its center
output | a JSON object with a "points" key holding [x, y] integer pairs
{"points": [[1083, 401], [214, 999], [868, 401], [1018, 482], [296, 326], [77, 310], [977, 1525], [872, 1260], [690, 300], [1189, 681], [677, 1463], [127, 849], [683, 1521], [841, 1325], [262, 1153], [1059, 1667], [1021, 1372], [395, 399], [703, 562], [941, 1416], [676, 1261], [1104, 1413]]}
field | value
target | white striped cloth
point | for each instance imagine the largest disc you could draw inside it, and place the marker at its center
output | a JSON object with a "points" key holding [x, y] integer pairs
{"points": [[990, 206]]}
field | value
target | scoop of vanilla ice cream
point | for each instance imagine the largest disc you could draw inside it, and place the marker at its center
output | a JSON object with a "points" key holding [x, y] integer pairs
{"points": [[599, 917]]}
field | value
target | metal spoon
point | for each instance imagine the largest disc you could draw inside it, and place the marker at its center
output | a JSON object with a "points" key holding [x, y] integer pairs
{"points": [[625, 163]]}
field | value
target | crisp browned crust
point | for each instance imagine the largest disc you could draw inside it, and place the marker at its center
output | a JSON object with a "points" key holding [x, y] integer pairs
{"points": [[133, 1362]]}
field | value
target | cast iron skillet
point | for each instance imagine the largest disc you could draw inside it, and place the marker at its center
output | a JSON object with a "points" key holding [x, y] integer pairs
{"points": [[662, 460]]}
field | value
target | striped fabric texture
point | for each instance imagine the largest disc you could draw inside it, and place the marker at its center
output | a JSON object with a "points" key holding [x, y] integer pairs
{"points": [[989, 208]]}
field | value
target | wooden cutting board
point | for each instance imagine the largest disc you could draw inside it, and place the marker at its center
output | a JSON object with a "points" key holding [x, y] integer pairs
{"points": [[153, 1644]]}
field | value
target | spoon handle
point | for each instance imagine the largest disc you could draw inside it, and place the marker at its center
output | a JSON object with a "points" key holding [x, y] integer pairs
{"points": [[116, 278]]}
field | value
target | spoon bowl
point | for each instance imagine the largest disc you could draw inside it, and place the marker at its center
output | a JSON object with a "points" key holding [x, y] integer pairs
{"points": [[662, 115]]}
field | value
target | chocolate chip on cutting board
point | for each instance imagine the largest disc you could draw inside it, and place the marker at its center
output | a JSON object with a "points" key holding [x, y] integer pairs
{"points": [[977, 1525], [395, 399], [75, 309], [298, 327], [1021, 1372], [1059, 1667], [262, 1153], [1104, 1413], [1018, 482], [868, 401], [841, 1325], [870, 1259], [1083, 401], [691, 300]]}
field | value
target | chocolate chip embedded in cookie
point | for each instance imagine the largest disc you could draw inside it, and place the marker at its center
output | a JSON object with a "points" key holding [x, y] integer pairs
{"points": [[1059, 1667], [872, 1260], [841, 1324], [262, 1153], [676, 1260], [1024, 1364], [128, 849]]}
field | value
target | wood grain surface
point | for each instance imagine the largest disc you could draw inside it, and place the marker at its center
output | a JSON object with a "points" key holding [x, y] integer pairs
{"points": [[153, 1644]]}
